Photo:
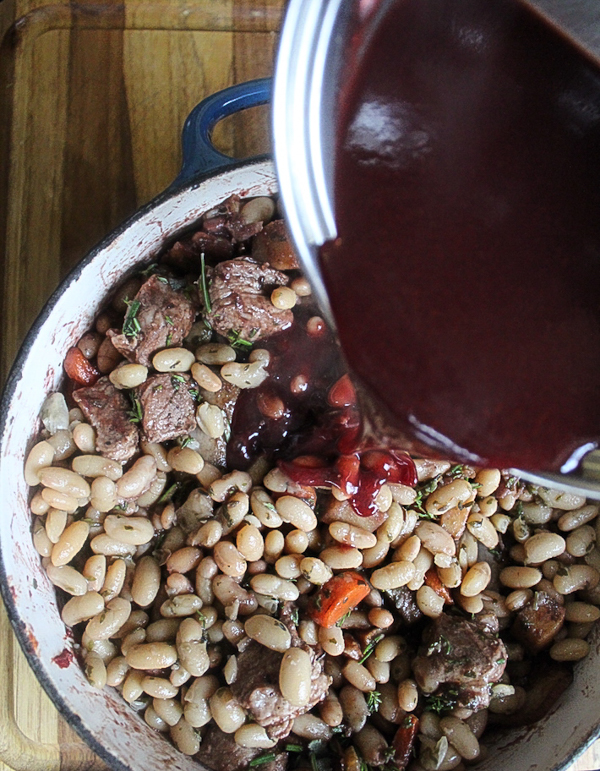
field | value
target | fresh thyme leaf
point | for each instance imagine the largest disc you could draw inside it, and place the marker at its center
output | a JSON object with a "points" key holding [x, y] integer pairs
{"points": [[187, 440], [345, 617], [131, 326], [201, 618], [441, 645], [194, 393], [293, 748], [149, 270], [176, 381], [169, 493], [373, 701], [169, 339], [135, 413], [295, 616], [169, 321], [443, 702], [262, 759], [456, 471], [370, 648], [204, 284], [235, 341]]}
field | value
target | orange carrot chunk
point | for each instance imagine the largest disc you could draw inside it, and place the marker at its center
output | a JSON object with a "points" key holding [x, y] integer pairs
{"points": [[80, 369], [335, 598]]}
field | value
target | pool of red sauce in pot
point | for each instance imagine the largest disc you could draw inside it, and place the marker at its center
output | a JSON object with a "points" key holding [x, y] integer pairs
{"points": [[466, 278], [317, 436]]}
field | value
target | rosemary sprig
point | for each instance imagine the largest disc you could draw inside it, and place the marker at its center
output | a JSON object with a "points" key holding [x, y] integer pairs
{"points": [[131, 326], [370, 648]]}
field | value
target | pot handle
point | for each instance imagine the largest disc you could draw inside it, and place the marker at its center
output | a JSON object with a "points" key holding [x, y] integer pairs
{"points": [[200, 156]]}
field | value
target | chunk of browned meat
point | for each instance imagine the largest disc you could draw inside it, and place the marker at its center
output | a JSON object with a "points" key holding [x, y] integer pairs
{"points": [[459, 659], [220, 751], [164, 317], [226, 220], [404, 604], [273, 245], [257, 687], [214, 450], [538, 622], [240, 303], [185, 254], [168, 408], [107, 409]]}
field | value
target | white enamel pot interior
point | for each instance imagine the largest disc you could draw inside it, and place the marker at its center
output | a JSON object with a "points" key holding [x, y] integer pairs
{"points": [[102, 718]]}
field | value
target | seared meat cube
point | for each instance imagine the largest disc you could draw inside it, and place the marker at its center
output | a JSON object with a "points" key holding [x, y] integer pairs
{"points": [[239, 300], [257, 687], [226, 220], [404, 604], [107, 409], [185, 254], [168, 408], [538, 622], [461, 658], [164, 317], [273, 245]]}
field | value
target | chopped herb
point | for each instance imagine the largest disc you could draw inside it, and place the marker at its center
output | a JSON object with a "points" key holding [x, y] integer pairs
{"points": [[373, 701], [204, 284], [187, 440], [169, 493], [149, 270], [476, 485], [194, 393], [370, 648], [441, 645], [201, 618], [135, 413], [227, 432], [262, 759], [163, 280], [169, 339], [345, 617], [338, 729], [119, 507], [235, 341], [131, 326], [443, 702], [456, 471], [128, 527], [295, 616], [511, 482], [176, 381], [293, 748], [500, 661], [157, 388], [169, 321]]}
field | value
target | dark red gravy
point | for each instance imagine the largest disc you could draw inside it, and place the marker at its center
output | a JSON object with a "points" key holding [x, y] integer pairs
{"points": [[466, 278]]}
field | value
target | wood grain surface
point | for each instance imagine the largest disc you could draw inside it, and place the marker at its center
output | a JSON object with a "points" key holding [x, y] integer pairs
{"points": [[93, 96]]}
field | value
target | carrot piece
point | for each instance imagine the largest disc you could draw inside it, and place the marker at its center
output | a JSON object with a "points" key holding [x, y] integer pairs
{"points": [[432, 580], [403, 741], [339, 595], [80, 369]]}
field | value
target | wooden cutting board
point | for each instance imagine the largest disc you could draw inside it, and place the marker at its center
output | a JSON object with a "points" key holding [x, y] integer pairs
{"points": [[92, 100]]}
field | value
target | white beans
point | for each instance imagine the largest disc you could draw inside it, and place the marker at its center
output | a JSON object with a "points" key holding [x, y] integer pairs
{"points": [[393, 576], [104, 494], [68, 579], [130, 530], [517, 577], [448, 497], [295, 676], [435, 538], [186, 460], [574, 519], [574, 578], [82, 608], [342, 557], [229, 560], [543, 546], [70, 543], [97, 466], [273, 586], [128, 375], [351, 535], [359, 676], [40, 456], [146, 581], [268, 631], [108, 623], [264, 509], [249, 375], [476, 579], [461, 737], [214, 353], [430, 603], [250, 543], [64, 481], [133, 482], [315, 570], [569, 650], [227, 712], [156, 655], [296, 512], [173, 360], [253, 736]]}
